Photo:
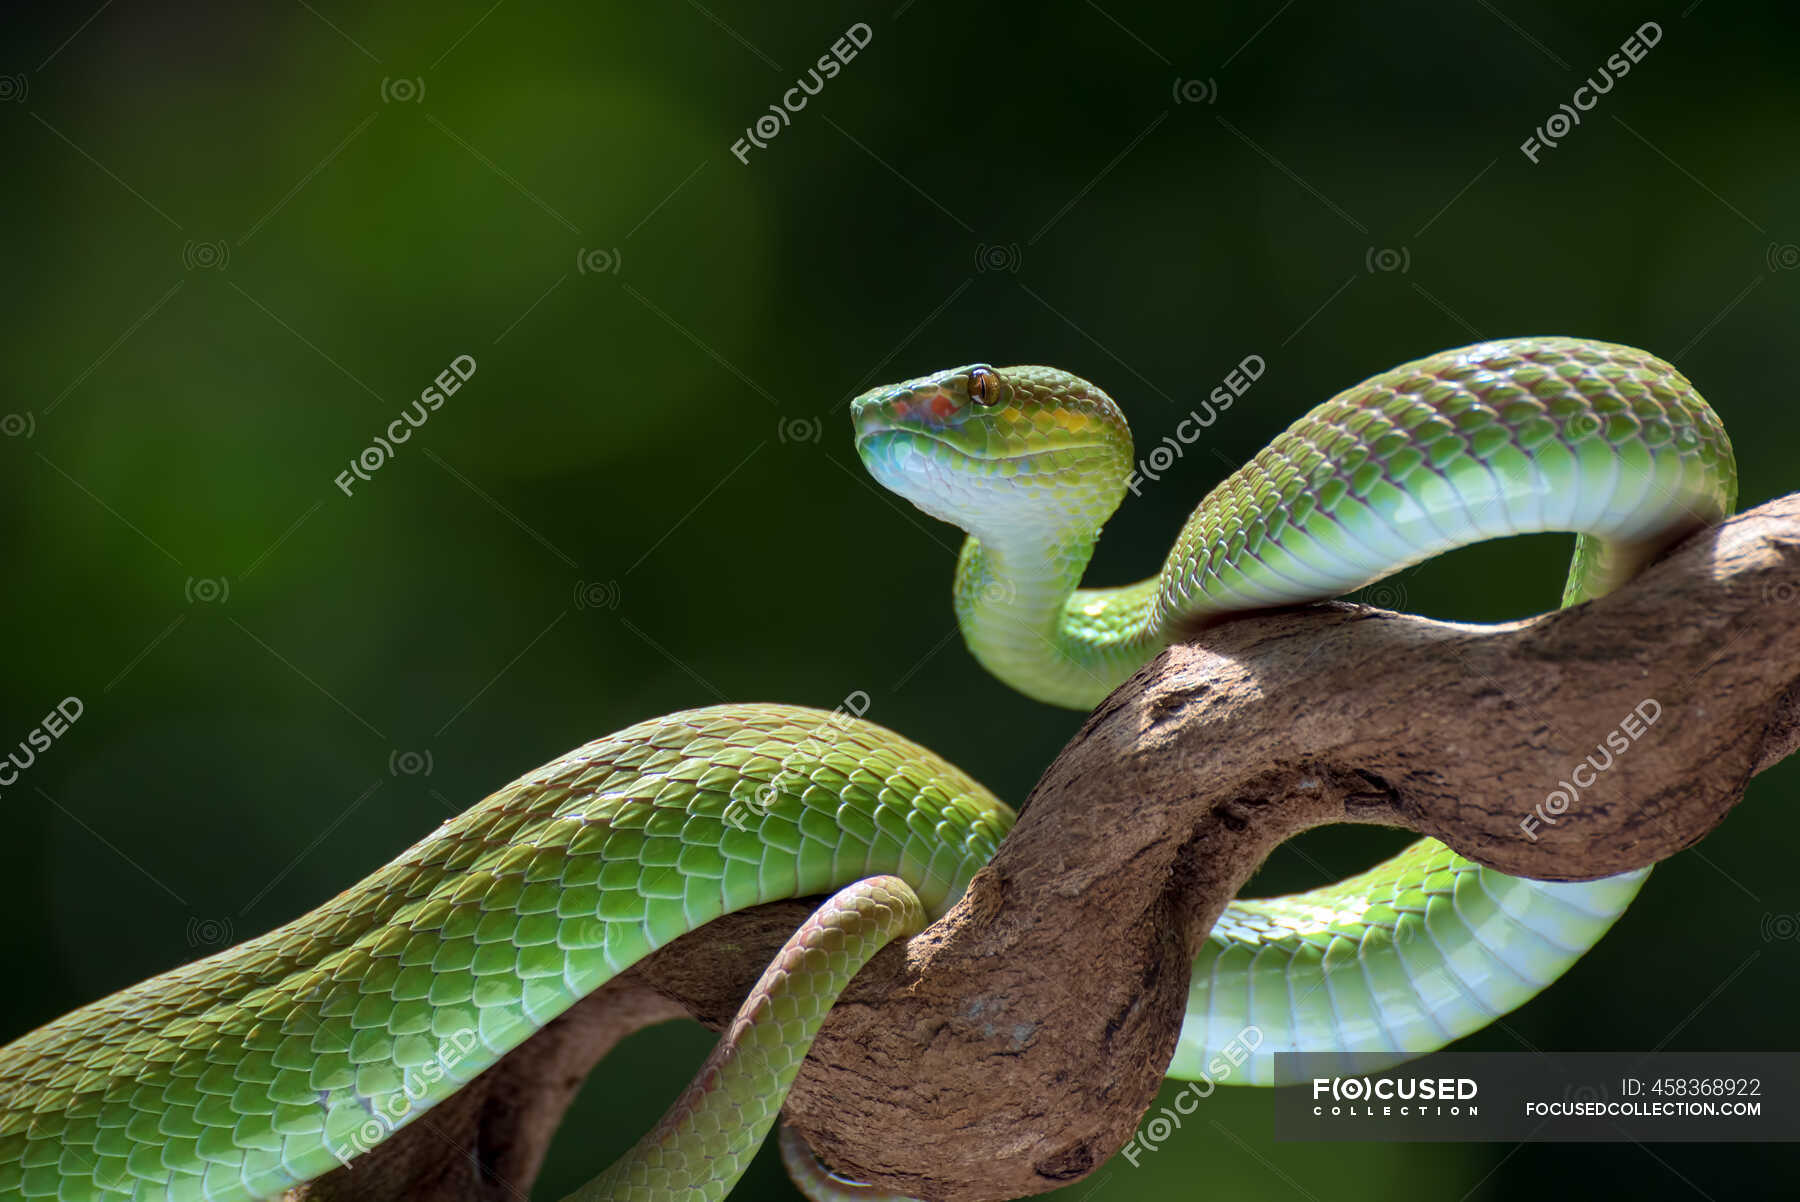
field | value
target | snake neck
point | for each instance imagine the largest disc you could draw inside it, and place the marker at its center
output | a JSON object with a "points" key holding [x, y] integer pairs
{"points": [[1026, 620]]}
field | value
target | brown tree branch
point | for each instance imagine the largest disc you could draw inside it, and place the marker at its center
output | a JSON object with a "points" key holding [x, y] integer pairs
{"points": [[1013, 1046]]}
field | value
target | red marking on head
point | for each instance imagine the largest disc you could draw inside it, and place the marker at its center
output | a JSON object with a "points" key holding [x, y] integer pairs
{"points": [[942, 406], [901, 409]]}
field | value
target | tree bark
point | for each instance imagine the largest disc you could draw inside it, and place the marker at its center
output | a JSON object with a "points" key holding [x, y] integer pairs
{"points": [[1013, 1046]]}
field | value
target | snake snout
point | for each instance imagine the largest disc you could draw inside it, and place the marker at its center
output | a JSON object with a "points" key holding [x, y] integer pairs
{"points": [[927, 409]]}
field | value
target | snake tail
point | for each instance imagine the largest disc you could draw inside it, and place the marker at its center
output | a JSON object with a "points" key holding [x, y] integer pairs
{"points": [[705, 1142]]}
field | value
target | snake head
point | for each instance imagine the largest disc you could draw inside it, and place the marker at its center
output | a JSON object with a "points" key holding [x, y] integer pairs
{"points": [[994, 448]]}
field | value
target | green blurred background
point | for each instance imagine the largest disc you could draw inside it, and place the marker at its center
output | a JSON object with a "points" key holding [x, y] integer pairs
{"points": [[242, 239]]}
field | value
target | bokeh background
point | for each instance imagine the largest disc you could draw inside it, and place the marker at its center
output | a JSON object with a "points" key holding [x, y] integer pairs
{"points": [[241, 239]]}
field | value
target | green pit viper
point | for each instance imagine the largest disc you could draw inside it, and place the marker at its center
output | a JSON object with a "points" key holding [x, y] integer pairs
{"points": [[244, 1074]]}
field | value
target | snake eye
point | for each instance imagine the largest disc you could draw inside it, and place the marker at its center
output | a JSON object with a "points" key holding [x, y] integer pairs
{"points": [[985, 386]]}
